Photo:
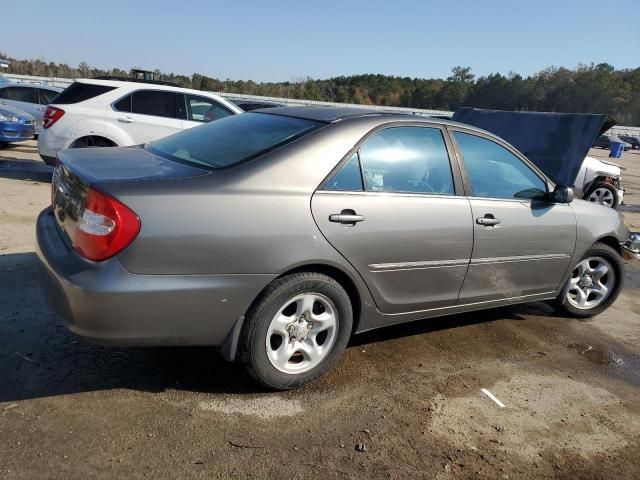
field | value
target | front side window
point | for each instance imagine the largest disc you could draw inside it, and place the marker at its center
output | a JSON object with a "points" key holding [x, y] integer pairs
{"points": [[201, 109], [19, 94], [232, 139], [495, 172], [156, 103], [407, 160]]}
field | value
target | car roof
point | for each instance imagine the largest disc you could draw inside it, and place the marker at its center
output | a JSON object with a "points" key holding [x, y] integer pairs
{"points": [[30, 85], [339, 114], [140, 84], [321, 114]]}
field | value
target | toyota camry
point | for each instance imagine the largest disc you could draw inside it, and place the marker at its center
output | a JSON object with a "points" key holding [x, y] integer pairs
{"points": [[278, 234]]}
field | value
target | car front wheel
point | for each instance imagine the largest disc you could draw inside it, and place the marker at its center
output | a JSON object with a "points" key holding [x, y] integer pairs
{"points": [[296, 331], [604, 194], [594, 284]]}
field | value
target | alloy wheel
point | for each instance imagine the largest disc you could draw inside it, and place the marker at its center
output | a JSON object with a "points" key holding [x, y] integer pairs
{"points": [[302, 333], [603, 196], [592, 282]]}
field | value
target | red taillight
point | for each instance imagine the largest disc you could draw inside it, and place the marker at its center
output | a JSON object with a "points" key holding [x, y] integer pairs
{"points": [[51, 116], [105, 228]]}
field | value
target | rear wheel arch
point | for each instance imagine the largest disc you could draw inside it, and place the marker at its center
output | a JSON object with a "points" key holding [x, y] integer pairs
{"points": [[92, 141], [228, 349], [340, 276]]}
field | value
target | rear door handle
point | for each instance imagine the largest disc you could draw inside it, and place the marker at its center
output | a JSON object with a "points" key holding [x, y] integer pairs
{"points": [[347, 217], [126, 120], [488, 220]]}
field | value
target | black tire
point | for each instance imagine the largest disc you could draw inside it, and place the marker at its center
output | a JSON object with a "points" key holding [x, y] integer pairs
{"points": [[252, 351], [608, 186], [601, 250]]}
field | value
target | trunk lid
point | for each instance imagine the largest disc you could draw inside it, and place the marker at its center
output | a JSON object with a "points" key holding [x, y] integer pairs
{"points": [[124, 164], [80, 169]]}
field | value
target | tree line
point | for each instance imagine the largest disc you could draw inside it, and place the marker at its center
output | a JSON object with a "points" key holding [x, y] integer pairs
{"points": [[594, 88]]}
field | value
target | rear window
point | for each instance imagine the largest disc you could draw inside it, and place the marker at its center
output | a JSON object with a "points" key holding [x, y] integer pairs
{"points": [[233, 139], [79, 92]]}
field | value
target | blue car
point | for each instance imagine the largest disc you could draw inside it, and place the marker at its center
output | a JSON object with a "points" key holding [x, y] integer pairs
{"points": [[32, 99], [16, 125]]}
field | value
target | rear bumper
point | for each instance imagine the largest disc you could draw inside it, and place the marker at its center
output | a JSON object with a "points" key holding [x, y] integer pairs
{"points": [[105, 303], [15, 132], [48, 146]]}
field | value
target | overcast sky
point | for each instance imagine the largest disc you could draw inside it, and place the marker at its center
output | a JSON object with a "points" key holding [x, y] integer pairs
{"points": [[286, 40]]}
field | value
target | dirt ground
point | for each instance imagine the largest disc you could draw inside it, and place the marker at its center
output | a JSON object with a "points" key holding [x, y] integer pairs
{"points": [[411, 395]]}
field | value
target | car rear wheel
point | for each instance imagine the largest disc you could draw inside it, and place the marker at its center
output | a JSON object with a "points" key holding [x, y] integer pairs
{"points": [[296, 331], [604, 194], [594, 284]]}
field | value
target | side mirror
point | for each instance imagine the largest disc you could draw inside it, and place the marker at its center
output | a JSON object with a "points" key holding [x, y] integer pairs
{"points": [[562, 194]]}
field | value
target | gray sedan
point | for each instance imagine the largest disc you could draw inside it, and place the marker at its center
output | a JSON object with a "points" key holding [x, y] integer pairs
{"points": [[278, 234]]}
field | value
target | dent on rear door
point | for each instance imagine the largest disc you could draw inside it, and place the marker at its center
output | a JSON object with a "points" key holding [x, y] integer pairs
{"points": [[412, 250]]}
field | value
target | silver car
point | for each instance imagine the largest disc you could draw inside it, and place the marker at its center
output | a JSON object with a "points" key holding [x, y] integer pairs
{"points": [[32, 99], [277, 234]]}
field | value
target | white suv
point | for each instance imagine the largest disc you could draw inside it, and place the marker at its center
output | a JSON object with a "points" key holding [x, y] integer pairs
{"points": [[110, 113]]}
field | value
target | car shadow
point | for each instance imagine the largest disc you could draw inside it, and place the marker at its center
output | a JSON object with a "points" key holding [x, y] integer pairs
{"points": [[40, 358], [17, 169], [450, 322]]}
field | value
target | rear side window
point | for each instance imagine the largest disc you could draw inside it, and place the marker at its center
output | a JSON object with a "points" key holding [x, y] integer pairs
{"points": [[124, 104], [348, 178], [19, 94], [232, 139], [156, 103], [79, 92], [407, 160], [47, 96]]}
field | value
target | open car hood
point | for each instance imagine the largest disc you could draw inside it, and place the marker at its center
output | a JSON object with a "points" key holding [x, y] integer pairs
{"points": [[557, 143]]}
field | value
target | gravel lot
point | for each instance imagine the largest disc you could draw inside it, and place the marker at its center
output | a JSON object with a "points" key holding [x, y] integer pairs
{"points": [[410, 394]]}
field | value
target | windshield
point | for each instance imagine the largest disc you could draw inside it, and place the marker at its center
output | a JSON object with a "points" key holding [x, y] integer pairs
{"points": [[232, 139]]}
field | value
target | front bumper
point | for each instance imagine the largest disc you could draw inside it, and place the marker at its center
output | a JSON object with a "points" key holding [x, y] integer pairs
{"points": [[104, 302], [631, 247]]}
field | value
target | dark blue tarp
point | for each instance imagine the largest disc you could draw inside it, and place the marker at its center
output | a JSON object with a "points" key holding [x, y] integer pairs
{"points": [[556, 142]]}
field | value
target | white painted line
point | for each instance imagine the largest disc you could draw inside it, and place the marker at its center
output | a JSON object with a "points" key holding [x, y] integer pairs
{"points": [[492, 397]]}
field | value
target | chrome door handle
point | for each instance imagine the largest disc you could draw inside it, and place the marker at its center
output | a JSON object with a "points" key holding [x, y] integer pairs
{"points": [[346, 218], [488, 220], [126, 120]]}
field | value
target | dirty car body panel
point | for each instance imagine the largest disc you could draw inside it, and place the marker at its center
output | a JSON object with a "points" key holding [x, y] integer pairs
{"points": [[211, 239]]}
